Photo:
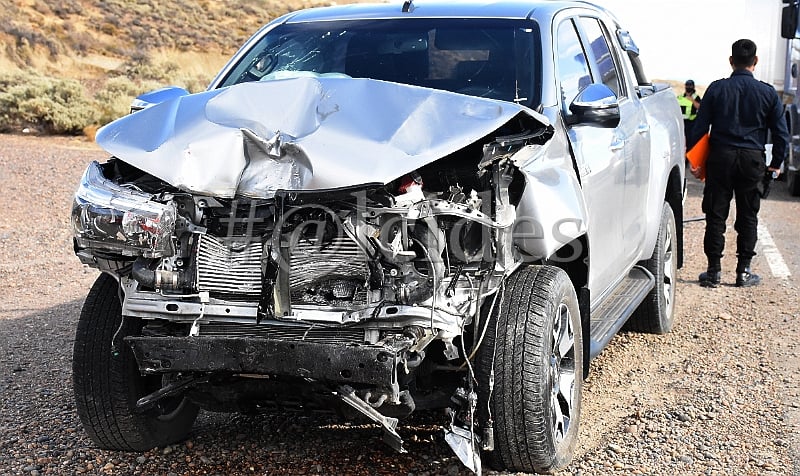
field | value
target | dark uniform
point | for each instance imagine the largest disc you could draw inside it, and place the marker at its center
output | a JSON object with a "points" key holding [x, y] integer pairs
{"points": [[740, 110]]}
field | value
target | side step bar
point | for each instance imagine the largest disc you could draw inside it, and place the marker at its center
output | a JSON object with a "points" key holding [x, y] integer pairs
{"points": [[609, 317]]}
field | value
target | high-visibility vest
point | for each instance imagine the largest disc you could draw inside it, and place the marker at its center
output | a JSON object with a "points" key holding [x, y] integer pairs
{"points": [[686, 105]]}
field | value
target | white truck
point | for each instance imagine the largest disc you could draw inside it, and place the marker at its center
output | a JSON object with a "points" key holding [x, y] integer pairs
{"points": [[380, 209]]}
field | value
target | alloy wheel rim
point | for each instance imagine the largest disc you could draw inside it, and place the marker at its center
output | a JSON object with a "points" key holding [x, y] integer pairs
{"points": [[669, 275], [562, 374]]}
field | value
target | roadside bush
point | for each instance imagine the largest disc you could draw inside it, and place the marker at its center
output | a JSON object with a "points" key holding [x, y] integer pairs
{"points": [[61, 106], [141, 67], [113, 100], [49, 105]]}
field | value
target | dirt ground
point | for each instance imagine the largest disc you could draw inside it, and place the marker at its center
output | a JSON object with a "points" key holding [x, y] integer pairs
{"points": [[718, 395]]}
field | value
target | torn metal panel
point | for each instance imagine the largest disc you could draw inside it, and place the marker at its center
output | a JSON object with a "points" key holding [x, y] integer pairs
{"points": [[302, 133], [389, 424], [551, 211]]}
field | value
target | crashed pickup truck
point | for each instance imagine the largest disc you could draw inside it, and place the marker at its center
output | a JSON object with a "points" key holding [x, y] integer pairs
{"points": [[380, 209]]}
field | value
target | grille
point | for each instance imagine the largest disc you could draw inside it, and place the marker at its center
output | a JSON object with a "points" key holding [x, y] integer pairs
{"points": [[221, 271]]}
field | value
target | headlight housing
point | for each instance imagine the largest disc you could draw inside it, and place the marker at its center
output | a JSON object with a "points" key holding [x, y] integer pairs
{"points": [[121, 220]]}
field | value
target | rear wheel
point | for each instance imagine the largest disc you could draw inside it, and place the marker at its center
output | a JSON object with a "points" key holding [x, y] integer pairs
{"points": [[108, 384], [537, 365], [655, 314]]}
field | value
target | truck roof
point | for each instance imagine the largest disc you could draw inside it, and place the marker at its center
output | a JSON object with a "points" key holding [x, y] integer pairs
{"points": [[510, 9]]}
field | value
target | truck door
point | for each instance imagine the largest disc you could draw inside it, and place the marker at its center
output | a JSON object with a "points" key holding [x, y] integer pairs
{"points": [[599, 152], [606, 63]]}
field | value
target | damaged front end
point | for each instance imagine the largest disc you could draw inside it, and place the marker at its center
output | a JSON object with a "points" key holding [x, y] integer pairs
{"points": [[268, 287]]}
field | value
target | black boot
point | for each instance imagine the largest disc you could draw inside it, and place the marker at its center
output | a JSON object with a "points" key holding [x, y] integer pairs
{"points": [[746, 278], [709, 279]]}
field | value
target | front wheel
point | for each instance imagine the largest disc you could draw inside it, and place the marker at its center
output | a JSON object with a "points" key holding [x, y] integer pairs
{"points": [[107, 384], [534, 351]]}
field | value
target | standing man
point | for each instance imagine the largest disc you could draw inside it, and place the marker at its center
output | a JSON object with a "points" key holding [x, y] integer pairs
{"points": [[689, 103], [739, 110]]}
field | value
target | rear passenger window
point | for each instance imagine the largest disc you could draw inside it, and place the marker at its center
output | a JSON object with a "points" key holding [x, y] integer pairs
{"points": [[573, 66], [600, 54]]}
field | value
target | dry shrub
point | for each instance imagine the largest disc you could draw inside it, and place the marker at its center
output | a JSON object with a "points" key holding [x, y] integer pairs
{"points": [[26, 37], [141, 67], [113, 100], [90, 131], [60, 106], [49, 105]]}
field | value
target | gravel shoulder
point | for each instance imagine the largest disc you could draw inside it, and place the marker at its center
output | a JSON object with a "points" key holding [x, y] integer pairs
{"points": [[716, 396]]}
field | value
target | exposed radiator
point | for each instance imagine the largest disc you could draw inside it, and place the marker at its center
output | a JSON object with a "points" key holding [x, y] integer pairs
{"points": [[334, 274], [222, 271]]}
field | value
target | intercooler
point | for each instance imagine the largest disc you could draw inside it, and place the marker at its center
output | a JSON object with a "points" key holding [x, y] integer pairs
{"points": [[226, 273], [334, 274]]}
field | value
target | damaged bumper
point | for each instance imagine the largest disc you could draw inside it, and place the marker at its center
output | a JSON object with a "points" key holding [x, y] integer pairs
{"points": [[341, 363]]}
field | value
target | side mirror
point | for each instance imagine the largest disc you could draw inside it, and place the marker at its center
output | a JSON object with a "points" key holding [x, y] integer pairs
{"points": [[158, 96], [597, 104], [789, 21]]}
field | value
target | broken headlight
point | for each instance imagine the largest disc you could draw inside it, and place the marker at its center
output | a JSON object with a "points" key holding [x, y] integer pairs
{"points": [[120, 220]]}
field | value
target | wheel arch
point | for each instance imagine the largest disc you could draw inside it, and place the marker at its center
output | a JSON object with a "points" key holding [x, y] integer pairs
{"points": [[674, 196], [573, 259]]}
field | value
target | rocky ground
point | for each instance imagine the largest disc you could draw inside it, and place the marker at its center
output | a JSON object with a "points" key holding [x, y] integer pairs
{"points": [[716, 396]]}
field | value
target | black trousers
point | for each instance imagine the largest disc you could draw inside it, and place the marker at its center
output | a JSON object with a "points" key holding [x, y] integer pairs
{"points": [[732, 172]]}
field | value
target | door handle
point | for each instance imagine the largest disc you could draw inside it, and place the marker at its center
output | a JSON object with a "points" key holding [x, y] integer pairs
{"points": [[643, 128], [617, 144]]}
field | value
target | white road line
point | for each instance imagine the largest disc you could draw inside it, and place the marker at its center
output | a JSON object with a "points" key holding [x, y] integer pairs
{"points": [[768, 249]]}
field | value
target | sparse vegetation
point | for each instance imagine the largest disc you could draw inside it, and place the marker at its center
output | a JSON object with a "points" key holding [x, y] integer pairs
{"points": [[55, 106], [72, 65], [114, 99]]}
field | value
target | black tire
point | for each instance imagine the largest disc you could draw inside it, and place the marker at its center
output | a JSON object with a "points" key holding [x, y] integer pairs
{"points": [[655, 315], [107, 385], [793, 182], [536, 401]]}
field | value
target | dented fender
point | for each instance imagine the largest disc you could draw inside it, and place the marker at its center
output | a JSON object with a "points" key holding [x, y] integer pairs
{"points": [[552, 210]]}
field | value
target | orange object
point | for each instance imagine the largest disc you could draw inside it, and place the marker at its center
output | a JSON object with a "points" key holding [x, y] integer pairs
{"points": [[697, 156]]}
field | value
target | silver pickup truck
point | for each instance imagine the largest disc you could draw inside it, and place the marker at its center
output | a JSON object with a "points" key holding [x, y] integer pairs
{"points": [[380, 209]]}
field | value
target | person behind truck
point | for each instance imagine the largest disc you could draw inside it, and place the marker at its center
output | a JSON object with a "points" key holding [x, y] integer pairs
{"points": [[739, 110], [689, 102]]}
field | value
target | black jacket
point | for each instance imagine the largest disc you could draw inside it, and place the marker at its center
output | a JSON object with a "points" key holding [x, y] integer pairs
{"points": [[740, 110]]}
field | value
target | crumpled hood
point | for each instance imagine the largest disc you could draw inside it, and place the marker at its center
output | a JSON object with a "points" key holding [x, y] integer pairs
{"points": [[308, 133]]}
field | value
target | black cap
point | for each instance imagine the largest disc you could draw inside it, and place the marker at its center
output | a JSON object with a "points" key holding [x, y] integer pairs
{"points": [[689, 82]]}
